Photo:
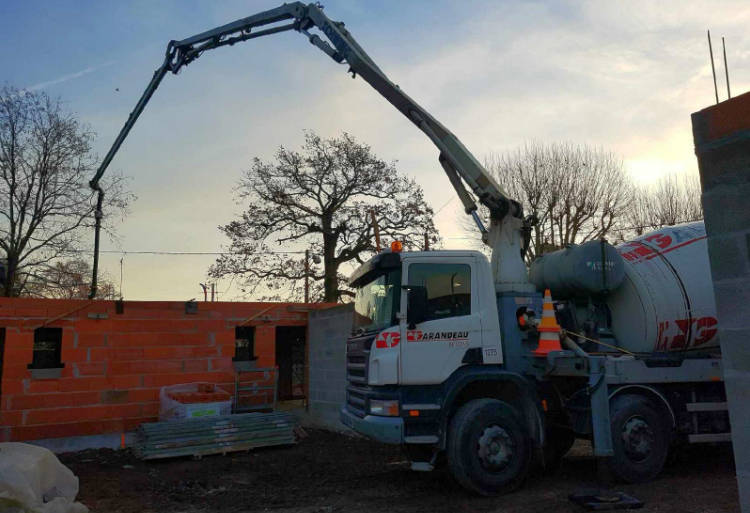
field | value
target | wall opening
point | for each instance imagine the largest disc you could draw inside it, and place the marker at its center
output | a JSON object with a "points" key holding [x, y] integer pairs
{"points": [[2, 353], [244, 344], [47, 349], [290, 358]]}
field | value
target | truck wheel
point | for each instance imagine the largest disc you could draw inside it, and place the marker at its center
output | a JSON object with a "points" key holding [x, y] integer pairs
{"points": [[488, 448], [640, 438]]}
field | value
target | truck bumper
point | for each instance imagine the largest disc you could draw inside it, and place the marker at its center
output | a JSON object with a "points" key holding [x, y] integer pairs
{"points": [[389, 430]]}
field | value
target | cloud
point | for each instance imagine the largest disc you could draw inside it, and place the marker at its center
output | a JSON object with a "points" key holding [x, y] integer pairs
{"points": [[66, 78]]}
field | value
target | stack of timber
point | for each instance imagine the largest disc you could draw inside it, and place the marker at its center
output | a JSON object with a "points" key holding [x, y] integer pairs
{"points": [[214, 435]]}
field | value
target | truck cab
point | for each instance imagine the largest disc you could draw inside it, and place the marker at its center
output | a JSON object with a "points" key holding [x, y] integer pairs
{"points": [[419, 317]]}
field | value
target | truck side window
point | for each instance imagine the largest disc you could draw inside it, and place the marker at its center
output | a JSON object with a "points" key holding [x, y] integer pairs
{"points": [[448, 288]]}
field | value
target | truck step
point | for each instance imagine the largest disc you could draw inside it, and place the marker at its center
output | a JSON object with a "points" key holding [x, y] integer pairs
{"points": [[424, 439], [710, 437], [707, 406]]}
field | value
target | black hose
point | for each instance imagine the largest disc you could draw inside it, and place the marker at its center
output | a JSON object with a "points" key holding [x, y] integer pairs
{"points": [[98, 214]]}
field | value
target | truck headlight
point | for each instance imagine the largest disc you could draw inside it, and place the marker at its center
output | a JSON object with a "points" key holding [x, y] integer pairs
{"points": [[384, 408]]}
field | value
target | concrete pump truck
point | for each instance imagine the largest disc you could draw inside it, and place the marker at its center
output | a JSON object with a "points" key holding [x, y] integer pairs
{"points": [[445, 354]]}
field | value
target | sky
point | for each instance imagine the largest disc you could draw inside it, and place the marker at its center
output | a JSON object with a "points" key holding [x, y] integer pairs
{"points": [[623, 76]]}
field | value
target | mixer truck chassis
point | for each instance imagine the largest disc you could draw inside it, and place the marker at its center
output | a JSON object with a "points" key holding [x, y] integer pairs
{"points": [[494, 426]]}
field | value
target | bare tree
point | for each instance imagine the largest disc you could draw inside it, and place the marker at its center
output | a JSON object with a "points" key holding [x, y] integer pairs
{"points": [[318, 198], [45, 201], [671, 200], [69, 279], [577, 193]]}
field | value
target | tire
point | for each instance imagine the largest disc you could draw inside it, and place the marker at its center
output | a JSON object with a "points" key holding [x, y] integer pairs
{"points": [[640, 439], [489, 451]]}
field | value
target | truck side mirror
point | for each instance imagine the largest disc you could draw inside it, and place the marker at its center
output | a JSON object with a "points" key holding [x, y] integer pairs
{"points": [[416, 305]]}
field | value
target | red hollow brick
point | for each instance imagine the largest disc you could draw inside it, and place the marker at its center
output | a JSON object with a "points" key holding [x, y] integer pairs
{"points": [[70, 354], [12, 387], [18, 356], [195, 365], [222, 364], [145, 367], [16, 371], [74, 414], [41, 386], [143, 395], [37, 401], [150, 409], [83, 383], [125, 382], [11, 418], [90, 368], [92, 340], [128, 353], [98, 354]]}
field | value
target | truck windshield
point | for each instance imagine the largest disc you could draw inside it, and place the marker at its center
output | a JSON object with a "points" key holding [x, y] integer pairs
{"points": [[376, 302]]}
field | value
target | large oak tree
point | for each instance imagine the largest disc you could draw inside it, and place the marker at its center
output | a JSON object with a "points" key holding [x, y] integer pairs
{"points": [[320, 199]]}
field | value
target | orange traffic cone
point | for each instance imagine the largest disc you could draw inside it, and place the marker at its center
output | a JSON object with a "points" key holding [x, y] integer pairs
{"points": [[549, 330]]}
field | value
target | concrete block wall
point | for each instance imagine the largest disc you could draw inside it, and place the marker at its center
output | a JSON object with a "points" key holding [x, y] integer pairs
{"points": [[328, 330], [722, 144], [115, 364]]}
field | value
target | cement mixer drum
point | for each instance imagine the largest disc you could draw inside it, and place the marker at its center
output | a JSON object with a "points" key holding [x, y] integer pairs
{"points": [[666, 301]]}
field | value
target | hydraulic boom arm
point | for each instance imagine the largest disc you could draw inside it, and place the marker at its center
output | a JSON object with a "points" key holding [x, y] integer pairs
{"points": [[458, 162]]}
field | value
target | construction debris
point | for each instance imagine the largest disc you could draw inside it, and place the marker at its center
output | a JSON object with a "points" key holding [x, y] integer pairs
{"points": [[214, 435]]}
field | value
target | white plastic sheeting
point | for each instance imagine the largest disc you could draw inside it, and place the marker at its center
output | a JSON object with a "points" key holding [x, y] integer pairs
{"points": [[32, 479]]}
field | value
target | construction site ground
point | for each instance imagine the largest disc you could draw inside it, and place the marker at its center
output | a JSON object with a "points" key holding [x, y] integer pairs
{"points": [[328, 472]]}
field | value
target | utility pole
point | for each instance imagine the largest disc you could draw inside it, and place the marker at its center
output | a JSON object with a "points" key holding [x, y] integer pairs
{"points": [[307, 276], [213, 292]]}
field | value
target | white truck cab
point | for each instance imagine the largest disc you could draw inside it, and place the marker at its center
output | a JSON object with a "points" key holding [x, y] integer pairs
{"points": [[426, 346]]}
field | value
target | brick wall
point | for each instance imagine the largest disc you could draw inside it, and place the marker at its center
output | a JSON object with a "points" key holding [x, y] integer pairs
{"points": [[114, 364]]}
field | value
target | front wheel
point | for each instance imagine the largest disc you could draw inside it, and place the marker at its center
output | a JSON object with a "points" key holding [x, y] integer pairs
{"points": [[489, 451], [640, 439]]}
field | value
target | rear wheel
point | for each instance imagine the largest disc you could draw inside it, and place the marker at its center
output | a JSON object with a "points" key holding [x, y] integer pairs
{"points": [[489, 451], [640, 439]]}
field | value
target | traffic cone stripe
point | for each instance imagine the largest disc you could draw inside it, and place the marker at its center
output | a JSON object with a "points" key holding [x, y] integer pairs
{"points": [[549, 330]]}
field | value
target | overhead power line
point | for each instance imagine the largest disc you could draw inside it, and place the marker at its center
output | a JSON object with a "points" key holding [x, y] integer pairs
{"points": [[186, 253]]}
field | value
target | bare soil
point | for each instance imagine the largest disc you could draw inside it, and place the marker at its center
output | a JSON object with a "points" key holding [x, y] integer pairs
{"points": [[328, 472]]}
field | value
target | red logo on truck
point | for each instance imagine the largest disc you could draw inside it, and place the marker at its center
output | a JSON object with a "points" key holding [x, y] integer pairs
{"points": [[387, 339], [679, 334]]}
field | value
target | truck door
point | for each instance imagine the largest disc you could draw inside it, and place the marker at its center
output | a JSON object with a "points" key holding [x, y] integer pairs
{"points": [[434, 348]]}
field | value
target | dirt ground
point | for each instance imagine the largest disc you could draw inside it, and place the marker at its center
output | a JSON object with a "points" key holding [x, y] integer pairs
{"points": [[327, 472]]}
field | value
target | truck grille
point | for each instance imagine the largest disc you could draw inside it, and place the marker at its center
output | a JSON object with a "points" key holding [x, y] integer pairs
{"points": [[357, 360]]}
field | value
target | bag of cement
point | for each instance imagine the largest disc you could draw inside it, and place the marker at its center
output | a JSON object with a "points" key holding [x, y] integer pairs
{"points": [[193, 400], [32, 480]]}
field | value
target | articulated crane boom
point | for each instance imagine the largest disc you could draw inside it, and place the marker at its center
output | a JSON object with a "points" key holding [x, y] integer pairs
{"points": [[507, 228]]}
